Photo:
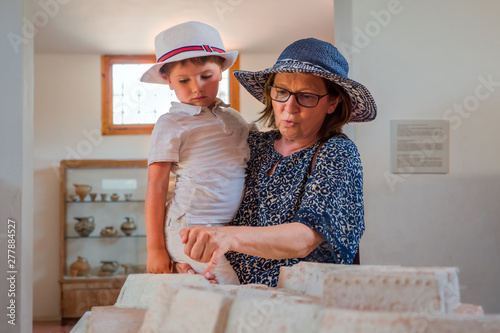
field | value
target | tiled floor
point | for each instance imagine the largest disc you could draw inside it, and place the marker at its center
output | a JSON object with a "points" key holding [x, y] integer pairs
{"points": [[50, 327]]}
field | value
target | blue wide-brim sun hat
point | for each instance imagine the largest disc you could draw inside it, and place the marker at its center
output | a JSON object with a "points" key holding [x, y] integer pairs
{"points": [[316, 57]]}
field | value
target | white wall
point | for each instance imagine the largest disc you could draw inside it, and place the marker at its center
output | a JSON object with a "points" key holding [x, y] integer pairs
{"points": [[428, 57], [16, 167]]}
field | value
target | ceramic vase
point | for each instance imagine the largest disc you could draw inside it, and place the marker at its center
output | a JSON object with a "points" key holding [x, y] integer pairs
{"points": [[109, 267], [128, 227], [108, 231], [84, 226], [82, 190]]}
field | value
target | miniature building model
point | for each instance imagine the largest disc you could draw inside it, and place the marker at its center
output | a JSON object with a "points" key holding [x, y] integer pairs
{"points": [[310, 297]]}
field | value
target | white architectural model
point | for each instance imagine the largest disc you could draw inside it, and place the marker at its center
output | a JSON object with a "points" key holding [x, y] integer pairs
{"points": [[310, 297]]}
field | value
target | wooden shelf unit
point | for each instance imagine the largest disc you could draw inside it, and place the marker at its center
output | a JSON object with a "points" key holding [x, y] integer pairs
{"points": [[79, 294]]}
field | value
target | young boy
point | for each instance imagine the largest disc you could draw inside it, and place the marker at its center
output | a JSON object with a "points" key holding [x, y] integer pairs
{"points": [[201, 140]]}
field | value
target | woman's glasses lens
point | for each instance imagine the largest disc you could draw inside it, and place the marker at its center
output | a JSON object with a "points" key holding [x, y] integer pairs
{"points": [[303, 99]]}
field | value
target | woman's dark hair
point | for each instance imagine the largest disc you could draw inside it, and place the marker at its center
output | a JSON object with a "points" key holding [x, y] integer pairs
{"points": [[332, 126], [167, 68]]}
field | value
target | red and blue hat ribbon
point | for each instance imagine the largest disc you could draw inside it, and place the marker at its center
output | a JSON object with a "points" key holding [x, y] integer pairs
{"points": [[206, 48]]}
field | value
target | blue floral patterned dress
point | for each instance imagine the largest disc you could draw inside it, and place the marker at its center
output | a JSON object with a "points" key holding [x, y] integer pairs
{"points": [[330, 200]]}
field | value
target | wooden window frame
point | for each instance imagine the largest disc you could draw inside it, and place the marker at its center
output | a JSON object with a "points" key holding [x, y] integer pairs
{"points": [[107, 61]]}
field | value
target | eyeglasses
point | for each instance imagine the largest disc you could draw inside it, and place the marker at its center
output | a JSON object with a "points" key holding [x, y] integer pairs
{"points": [[307, 100]]}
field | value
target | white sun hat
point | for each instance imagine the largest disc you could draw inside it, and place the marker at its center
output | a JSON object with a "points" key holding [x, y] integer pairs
{"points": [[187, 40]]}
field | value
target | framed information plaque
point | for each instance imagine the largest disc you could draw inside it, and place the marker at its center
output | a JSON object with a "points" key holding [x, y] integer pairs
{"points": [[419, 146]]}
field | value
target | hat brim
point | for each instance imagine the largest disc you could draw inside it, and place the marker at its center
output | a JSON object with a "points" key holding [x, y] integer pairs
{"points": [[152, 75], [364, 107]]}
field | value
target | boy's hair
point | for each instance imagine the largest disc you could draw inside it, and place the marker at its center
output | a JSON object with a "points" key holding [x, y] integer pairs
{"points": [[167, 68]]}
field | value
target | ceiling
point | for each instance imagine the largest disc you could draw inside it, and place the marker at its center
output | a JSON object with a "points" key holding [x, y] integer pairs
{"points": [[129, 26]]}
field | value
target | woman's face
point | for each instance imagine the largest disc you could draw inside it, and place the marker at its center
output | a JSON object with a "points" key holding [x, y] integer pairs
{"points": [[294, 121]]}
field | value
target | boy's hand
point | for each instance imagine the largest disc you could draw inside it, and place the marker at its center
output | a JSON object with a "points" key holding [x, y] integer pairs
{"points": [[158, 262], [186, 269]]}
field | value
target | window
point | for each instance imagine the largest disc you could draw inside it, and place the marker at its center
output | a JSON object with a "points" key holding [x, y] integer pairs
{"points": [[132, 107]]}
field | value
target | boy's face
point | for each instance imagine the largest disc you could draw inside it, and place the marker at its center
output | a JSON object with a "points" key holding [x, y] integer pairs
{"points": [[195, 84]]}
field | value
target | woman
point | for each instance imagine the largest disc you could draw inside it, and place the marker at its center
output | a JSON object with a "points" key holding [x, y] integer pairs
{"points": [[303, 196]]}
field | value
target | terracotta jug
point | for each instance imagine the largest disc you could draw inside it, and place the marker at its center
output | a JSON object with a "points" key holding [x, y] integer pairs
{"points": [[79, 267]]}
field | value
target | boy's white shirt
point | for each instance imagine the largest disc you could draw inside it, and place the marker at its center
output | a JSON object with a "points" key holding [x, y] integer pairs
{"points": [[209, 151]]}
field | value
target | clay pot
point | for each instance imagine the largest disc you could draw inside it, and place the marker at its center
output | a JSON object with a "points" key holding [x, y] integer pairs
{"points": [[109, 267], [128, 227], [84, 226], [114, 197], [79, 267], [134, 269], [82, 190], [108, 231]]}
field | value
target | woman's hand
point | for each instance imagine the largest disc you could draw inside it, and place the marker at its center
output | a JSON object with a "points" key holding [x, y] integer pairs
{"points": [[209, 244], [206, 244], [158, 262]]}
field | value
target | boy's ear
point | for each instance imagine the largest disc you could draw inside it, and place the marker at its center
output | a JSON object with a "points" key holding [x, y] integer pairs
{"points": [[166, 78]]}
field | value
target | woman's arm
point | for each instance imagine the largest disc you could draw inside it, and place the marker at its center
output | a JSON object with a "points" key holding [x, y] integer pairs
{"points": [[209, 244], [156, 197], [332, 202]]}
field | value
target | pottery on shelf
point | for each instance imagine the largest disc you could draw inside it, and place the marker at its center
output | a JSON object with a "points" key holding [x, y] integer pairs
{"points": [[134, 269], [92, 196], [139, 269], [79, 267], [128, 196], [126, 267], [128, 227], [109, 267], [82, 190], [114, 197], [104, 196], [108, 231], [85, 225]]}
